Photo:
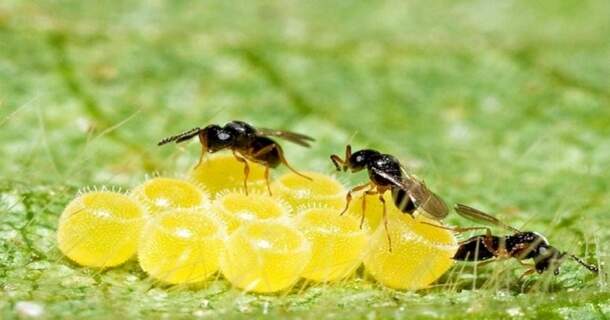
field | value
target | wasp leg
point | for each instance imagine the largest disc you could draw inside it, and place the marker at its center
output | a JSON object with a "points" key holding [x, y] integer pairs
{"points": [[348, 152], [531, 268], [267, 180], [259, 153], [488, 243], [366, 193], [529, 265], [341, 164], [348, 197], [385, 220], [486, 262], [264, 150], [246, 169], [527, 273], [204, 147], [285, 162], [337, 161], [200, 158]]}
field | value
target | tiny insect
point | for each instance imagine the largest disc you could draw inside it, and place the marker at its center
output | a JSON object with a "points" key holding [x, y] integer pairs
{"points": [[246, 143], [386, 173], [521, 245]]}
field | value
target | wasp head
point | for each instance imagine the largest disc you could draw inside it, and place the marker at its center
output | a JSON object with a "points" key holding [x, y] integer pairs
{"points": [[548, 258], [216, 138]]}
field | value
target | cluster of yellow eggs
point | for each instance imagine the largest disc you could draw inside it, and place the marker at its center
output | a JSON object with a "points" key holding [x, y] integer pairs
{"points": [[188, 230]]}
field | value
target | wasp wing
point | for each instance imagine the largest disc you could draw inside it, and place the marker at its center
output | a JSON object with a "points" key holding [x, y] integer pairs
{"points": [[477, 215], [300, 139], [423, 198], [430, 202], [427, 200]]}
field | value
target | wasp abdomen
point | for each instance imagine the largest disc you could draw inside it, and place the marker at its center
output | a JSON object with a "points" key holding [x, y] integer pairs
{"points": [[474, 249], [266, 151], [402, 200]]}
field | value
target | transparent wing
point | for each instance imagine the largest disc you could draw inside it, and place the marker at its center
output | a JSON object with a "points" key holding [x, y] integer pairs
{"points": [[427, 200], [477, 215], [423, 198], [300, 139]]}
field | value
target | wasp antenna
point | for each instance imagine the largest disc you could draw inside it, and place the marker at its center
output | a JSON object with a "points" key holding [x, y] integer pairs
{"points": [[589, 267], [187, 135], [348, 155]]}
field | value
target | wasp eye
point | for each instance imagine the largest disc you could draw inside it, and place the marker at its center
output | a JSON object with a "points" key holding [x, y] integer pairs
{"points": [[100, 229], [224, 136]]}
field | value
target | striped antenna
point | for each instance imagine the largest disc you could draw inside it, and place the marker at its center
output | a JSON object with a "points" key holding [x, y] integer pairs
{"points": [[180, 137], [589, 267]]}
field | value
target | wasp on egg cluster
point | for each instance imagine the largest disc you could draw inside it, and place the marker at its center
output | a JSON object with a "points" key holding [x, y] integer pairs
{"points": [[246, 143], [386, 173], [520, 245]]}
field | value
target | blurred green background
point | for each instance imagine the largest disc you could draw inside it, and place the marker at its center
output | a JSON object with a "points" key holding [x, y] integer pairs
{"points": [[499, 104]]}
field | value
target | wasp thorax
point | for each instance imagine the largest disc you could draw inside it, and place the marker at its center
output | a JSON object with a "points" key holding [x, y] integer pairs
{"points": [[242, 133]]}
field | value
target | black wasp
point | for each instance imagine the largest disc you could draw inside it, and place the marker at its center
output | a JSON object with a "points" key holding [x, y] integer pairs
{"points": [[246, 143], [386, 173], [521, 245]]}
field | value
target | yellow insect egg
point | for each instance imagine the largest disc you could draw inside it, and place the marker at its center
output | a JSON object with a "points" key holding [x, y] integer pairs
{"points": [[100, 229], [222, 171], [420, 253], [337, 242], [265, 256], [160, 194], [373, 210], [181, 246], [235, 208], [300, 192]]}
